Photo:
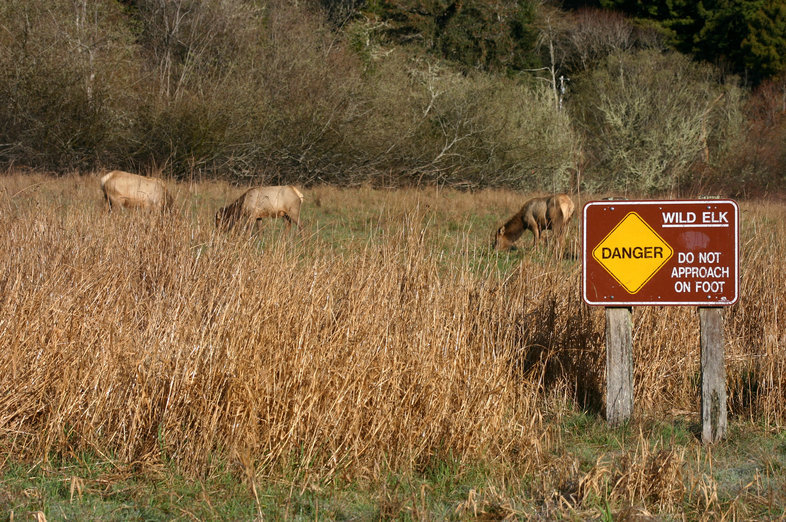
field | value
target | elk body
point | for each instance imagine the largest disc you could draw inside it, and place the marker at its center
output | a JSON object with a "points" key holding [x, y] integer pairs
{"points": [[538, 214], [262, 202], [133, 191]]}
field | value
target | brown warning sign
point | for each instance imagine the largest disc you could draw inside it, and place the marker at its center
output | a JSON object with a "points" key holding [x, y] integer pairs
{"points": [[661, 252]]}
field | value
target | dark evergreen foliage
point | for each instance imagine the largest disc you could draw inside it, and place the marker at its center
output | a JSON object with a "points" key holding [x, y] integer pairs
{"points": [[491, 35], [748, 37]]}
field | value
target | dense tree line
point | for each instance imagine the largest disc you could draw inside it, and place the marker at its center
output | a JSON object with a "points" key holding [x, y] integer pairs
{"points": [[746, 36], [511, 93]]}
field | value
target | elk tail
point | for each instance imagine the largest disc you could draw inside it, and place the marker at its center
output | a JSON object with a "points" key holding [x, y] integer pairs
{"points": [[105, 178]]}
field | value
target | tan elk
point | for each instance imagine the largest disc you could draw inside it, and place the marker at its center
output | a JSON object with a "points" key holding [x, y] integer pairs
{"points": [[538, 214], [262, 202], [133, 191]]}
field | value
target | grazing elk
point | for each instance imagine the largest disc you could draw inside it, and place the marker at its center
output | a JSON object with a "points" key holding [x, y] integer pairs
{"points": [[133, 191], [537, 214], [262, 202]]}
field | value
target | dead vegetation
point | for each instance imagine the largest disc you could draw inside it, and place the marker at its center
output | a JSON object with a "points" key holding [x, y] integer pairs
{"points": [[391, 348]]}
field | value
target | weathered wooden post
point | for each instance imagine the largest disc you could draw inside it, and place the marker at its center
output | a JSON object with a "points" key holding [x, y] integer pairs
{"points": [[662, 253], [619, 365], [713, 375]]}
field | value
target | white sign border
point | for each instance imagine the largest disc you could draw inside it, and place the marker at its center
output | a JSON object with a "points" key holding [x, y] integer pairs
{"points": [[631, 202]]}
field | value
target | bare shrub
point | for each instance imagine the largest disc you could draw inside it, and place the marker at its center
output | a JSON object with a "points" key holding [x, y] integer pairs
{"points": [[261, 93], [594, 34], [648, 117], [310, 95], [66, 69], [754, 167], [190, 43], [467, 130]]}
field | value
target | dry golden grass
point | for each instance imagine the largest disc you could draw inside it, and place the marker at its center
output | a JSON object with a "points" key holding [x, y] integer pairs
{"points": [[381, 338]]}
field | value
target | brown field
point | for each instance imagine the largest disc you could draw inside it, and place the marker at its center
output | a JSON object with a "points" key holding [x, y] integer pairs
{"points": [[387, 336]]}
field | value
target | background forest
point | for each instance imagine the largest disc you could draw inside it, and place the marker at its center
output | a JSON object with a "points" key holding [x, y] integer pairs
{"points": [[613, 95]]}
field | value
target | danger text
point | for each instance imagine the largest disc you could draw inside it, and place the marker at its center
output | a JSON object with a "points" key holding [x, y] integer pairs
{"points": [[647, 252]]}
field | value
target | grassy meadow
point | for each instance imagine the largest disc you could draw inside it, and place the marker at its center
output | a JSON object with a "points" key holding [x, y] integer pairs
{"points": [[383, 363]]}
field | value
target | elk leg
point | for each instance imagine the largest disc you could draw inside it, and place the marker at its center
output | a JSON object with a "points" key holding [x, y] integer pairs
{"points": [[535, 233]]}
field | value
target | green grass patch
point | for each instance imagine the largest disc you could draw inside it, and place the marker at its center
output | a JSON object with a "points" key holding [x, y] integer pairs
{"points": [[747, 470]]}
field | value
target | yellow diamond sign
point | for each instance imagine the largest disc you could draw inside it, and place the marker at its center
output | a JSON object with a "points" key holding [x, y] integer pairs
{"points": [[632, 252]]}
